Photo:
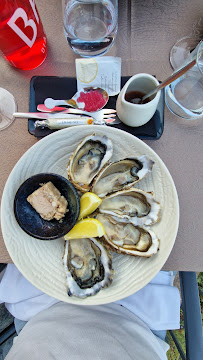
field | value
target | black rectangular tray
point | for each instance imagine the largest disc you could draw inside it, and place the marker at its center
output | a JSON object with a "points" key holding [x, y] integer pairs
{"points": [[55, 87]]}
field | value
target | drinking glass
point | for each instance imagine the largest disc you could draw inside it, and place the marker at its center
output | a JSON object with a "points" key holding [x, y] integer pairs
{"points": [[90, 26], [184, 46], [184, 96], [7, 107]]}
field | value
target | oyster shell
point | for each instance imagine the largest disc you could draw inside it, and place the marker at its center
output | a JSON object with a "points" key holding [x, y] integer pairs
{"points": [[88, 267], [125, 238], [121, 175], [132, 205], [87, 160]]}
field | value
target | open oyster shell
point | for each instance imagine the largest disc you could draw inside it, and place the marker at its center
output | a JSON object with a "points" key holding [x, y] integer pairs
{"points": [[121, 175], [88, 159], [132, 205], [88, 267], [125, 238]]}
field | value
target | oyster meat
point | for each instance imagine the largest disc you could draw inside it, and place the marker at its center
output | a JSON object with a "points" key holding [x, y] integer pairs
{"points": [[125, 238], [88, 267], [132, 205], [121, 175], [87, 160]]}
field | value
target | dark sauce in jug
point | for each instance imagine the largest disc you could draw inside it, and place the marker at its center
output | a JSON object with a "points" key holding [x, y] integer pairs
{"points": [[135, 97]]}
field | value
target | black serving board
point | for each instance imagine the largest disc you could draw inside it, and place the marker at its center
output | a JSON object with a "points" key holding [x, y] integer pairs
{"points": [[55, 87]]}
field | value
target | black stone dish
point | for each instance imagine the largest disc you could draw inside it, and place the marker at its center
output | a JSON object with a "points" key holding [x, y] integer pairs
{"points": [[42, 87], [31, 222]]}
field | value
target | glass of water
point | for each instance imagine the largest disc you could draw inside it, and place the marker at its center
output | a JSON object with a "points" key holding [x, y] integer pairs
{"points": [[184, 96], [90, 26], [8, 106]]}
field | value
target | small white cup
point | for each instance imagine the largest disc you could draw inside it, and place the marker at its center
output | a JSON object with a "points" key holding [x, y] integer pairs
{"points": [[137, 114]]}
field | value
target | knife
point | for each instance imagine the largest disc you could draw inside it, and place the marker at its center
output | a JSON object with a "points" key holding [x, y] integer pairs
{"points": [[36, 115]]}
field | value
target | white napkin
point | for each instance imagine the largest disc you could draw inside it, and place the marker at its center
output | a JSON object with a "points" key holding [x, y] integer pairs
{"points": [[157, 304], [21, 298]]}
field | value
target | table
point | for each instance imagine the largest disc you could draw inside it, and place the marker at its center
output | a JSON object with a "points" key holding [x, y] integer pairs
{"points": [[147, 31]]}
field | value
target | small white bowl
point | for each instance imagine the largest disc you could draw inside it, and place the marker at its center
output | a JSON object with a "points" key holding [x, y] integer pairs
{"points": [[137, 114]]}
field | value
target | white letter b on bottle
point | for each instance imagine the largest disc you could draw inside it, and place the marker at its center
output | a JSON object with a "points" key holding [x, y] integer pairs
{"points": [[20, 13]]}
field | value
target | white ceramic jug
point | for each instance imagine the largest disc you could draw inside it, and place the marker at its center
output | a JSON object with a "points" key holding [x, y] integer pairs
{"points": [[137, 114]]}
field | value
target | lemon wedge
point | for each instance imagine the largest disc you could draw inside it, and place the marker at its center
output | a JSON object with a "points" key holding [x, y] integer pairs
{"points": [[85, 229], [89, 202]]}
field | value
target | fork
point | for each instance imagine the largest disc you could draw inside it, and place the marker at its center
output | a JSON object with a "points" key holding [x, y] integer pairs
{"points": [[106, 116]]}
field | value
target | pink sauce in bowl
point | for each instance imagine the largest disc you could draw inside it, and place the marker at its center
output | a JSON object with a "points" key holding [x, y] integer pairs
{"points": [[94, 99]]}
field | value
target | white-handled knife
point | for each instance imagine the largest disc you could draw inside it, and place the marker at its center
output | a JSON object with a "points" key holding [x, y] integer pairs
{"points": [[36, 115]]}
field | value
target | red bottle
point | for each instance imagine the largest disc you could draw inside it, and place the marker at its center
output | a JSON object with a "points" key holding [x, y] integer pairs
{"points": [[22, 38]]}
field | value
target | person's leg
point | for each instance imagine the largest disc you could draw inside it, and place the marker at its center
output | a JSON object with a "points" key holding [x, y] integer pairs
{"points": [[160, 333], [19, 324]]}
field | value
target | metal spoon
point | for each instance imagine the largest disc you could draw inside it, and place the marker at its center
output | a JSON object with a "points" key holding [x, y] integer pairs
{"points": [[169, 80], [77, 101]]}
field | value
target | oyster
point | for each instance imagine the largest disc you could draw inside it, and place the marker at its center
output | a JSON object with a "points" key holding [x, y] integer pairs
{"points": [[132, 205], [88, 267], [127, 238], [87, 160], [121, 175]]}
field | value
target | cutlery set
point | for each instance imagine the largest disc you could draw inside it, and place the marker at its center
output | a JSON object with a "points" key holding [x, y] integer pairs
{"points": [[61, 117]]}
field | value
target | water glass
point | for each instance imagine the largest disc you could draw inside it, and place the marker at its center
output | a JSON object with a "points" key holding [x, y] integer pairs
{"points": [[184, 96], [90, 26]]}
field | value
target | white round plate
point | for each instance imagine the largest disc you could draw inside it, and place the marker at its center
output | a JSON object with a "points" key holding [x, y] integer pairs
{"points": [[41, 261]]}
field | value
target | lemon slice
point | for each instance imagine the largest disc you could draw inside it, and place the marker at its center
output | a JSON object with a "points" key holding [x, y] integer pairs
{"points": [[86, 70], [88, 204], [85, 229]]}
